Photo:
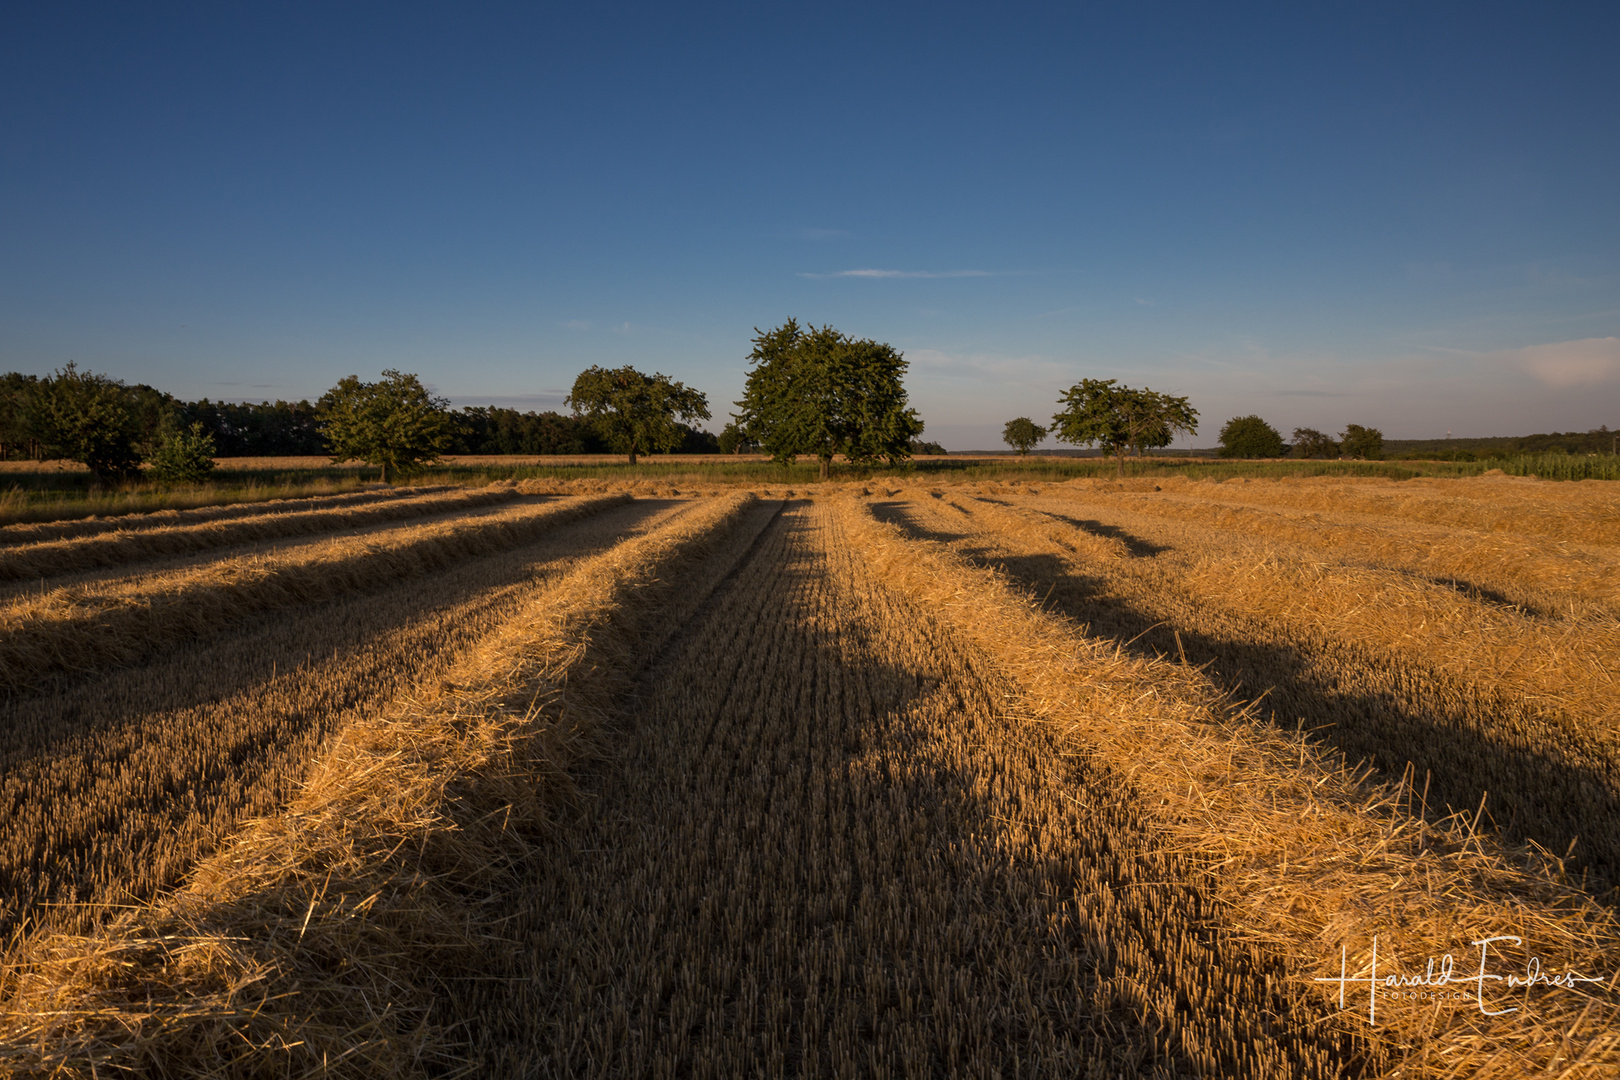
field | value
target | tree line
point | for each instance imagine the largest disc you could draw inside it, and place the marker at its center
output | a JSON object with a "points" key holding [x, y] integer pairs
{"points": [[1122, 419]]}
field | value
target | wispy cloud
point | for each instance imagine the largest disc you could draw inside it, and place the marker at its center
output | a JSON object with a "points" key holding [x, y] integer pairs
{"points": [[622, 328], [870, 273], [578, 324]]}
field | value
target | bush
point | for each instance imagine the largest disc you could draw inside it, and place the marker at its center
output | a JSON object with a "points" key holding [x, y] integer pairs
{"points": [[1250, 437], [182, 457]]}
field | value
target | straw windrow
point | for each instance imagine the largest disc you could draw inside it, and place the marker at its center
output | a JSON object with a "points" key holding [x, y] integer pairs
{"points": [[1305, 852], [95, 625], [316, 943]]}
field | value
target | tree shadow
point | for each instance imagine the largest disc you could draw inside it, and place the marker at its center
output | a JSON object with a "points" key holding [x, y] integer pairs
{"points": [[802, 849], [167, 754], [1459, 738]]}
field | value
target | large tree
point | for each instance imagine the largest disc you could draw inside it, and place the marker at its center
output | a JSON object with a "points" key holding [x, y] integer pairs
{"points": [[1250, 437], [88, 418], [1023, 435], [818, 391], [1103, 413], [635, 413], [393, 423]]}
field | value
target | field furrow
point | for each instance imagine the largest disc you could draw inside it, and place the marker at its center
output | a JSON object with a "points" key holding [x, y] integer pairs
{"points": [[51, 558], [94, 625], [112, 787], [825, 848]]}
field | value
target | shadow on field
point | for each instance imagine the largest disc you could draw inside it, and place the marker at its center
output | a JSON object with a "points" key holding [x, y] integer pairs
{"points": [[1463, 740], [819, 841], [1136, 545], [117, 781]]}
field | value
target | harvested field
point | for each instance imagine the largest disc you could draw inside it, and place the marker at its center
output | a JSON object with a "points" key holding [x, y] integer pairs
{"points": [[1021, 780]]}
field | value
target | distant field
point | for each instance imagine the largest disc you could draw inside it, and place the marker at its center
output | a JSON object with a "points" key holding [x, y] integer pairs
{"points": [[910, 774]]}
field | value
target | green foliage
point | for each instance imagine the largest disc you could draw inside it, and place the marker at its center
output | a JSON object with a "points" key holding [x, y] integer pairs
{"points": [[393, 423], [923, 446], [1250, 437], [816, 391], [182, 456], [635, 413], [492, 430], [1360, 442], [1023, 435], [17, 436], [263, 429], [87, 418], [734, 440], [1101, 412], [1310, 443]]}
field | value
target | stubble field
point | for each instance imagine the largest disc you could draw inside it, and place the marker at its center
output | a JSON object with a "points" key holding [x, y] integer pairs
{"points": [[1163, 778]]}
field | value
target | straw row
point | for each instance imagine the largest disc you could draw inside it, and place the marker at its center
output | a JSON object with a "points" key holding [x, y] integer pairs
{"points": [[321, 940], [40, 532], [1307, 856], [77, 628], [112, 787], [119, 549]]}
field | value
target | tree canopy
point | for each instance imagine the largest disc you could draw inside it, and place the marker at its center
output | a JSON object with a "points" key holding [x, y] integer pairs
{"points": [[1361, 442], [87, 418], [1310, 443], [817, 391], [1250, 437], [1101, 412], [393, 423], [1023, 435], [635, 413]]}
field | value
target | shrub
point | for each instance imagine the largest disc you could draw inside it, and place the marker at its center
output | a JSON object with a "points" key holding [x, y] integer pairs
{"points": [[182, 457]]}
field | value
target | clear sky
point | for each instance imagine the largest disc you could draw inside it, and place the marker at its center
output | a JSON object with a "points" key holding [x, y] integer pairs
{"points": [[1400, 215]]}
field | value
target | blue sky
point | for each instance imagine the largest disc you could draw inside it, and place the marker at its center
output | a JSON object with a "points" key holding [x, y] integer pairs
{"points": [[1395, 215]]}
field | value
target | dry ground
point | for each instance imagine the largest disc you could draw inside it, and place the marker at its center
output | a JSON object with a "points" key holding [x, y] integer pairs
{"points": [[1073, 779]]}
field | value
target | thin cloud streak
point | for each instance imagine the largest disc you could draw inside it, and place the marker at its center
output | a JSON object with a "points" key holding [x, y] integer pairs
{"points": [[902, 274]]}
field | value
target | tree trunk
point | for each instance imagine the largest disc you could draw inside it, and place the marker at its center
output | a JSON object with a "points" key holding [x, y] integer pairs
{"points": [[632, 455], [826, 467], [1120, 454], [385, 472]]}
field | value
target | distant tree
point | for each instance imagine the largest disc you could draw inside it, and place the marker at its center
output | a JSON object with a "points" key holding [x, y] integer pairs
{"points": [[263, 429], [1310, 443], [1362, 442], [817, 391], [734, 440], [635, 413], [87, 418], [1023, 435], [17, 436], [393, 423], [697, 441], [182, 456], [925, 447], [1250, 437], [1101, 412]]}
